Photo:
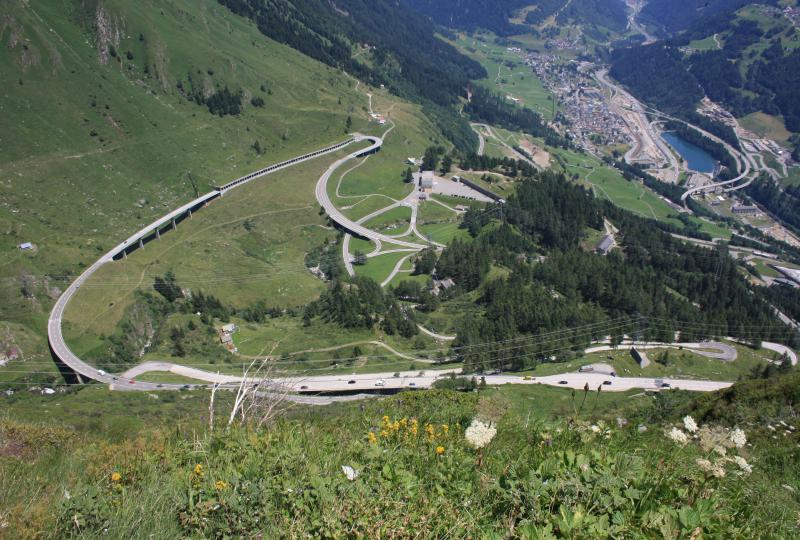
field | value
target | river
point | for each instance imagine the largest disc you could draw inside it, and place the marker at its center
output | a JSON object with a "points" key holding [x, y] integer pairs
{"points": [[696, 158]]}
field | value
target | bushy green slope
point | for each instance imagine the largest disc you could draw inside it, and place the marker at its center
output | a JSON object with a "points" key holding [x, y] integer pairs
{"points": [[402, 467]]}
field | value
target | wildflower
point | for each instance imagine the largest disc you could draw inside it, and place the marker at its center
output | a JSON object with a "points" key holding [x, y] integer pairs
{"points": [[116, 477], [349, 472], [445, 429], [720, 450], [704, 465], [585, 467], [384, 434], [621, 422], [385, 419], [479, 434], [743, 465], [678, 436], [220, 485], [641, 428], [718, 471], [198, 470], [439, 450], [372, 438], [595, 429], [689, 424], [430, 432], [738, 438]]}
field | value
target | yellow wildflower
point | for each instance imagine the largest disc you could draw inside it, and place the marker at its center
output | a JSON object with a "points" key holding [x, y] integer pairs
{"points": [[439, 450], [396, 426], [404, 422], [220, 485], [372, 438], [198, 470], [445, 428], [384, 434], [430, 431], [385, 419], [116, 477]]}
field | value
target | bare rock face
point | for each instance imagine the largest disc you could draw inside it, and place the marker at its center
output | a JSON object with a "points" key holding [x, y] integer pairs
{"points": [[108, 33]]}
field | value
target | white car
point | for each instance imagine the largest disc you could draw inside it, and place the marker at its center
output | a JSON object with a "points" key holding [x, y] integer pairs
{"points": [[101, 372], [380, 383]]}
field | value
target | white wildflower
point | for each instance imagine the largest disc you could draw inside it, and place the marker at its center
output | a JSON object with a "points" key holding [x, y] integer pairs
{"points": [[704, 465], [718, 471], [641, 428], [720, 450], [678, 436], [349, 472], [742, 463], [770, 427], [783, 423], [689, 424], [479, 434], [787, 487], [621, 422], [584, 467], [738, 438], [595, 429]]}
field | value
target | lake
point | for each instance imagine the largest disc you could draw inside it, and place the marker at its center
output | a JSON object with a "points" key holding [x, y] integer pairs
{"points": [[696, 158]]}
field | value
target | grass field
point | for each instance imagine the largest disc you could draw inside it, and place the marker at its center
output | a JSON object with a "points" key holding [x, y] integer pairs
{"points": [[507, 73], [378, 268], [392, 221], [766, 125], [634, 196]]}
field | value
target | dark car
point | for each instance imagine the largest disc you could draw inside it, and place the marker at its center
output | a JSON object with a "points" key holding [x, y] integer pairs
{"points": [[666, 385], [351, 381], [412, 384], [563, 382], [304, 387], [607, 383], [131, 382], [159, 386]]}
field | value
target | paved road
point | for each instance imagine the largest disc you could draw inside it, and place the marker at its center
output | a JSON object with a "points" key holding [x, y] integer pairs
{"points": [[54, 331], [336, 215], [709, 349]]}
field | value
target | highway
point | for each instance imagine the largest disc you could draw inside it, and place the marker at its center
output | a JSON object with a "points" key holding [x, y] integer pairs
{"points": [[337, 216], [55, 335]]}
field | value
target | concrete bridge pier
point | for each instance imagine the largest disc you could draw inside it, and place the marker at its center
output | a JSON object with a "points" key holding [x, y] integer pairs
{"points": [[174, 225], [158, 234], [190, 214], [141, 244]]}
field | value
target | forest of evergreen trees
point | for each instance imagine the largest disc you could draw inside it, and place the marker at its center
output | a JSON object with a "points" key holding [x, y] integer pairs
{"points": [[662, 283]]}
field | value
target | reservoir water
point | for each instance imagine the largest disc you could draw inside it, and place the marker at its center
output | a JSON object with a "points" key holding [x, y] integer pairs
{"points": [[696, 158]]}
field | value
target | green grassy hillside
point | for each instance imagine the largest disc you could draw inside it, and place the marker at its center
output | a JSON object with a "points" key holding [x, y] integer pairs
{"points": [[108, 124], [543, 463]]}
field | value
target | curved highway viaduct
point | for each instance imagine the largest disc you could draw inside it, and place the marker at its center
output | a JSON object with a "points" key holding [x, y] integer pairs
{"points": [[58, 345], [336, 215]]}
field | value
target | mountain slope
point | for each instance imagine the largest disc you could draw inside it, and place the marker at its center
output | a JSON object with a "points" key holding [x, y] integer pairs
{"points": [[108, 123]]}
